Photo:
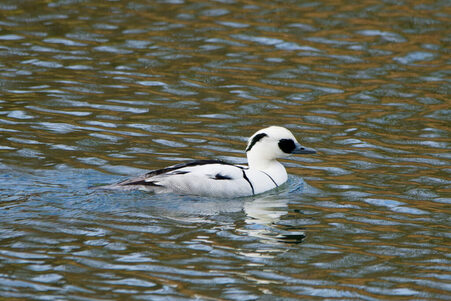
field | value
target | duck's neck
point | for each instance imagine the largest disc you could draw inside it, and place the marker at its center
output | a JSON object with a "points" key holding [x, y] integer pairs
{"points": [[272, 167]]}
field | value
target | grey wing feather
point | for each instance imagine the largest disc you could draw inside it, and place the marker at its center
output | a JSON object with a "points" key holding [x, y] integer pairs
{"points": [[146, 179]]}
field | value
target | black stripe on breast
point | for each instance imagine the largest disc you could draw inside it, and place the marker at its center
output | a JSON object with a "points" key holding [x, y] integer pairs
{"points": [[247, 179], [270, 178]]}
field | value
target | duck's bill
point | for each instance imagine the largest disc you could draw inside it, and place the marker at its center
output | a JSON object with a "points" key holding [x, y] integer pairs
{"points": [[303, 150]]}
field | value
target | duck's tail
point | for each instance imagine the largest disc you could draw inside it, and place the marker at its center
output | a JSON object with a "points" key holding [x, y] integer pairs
{"points": [[138, 183]]}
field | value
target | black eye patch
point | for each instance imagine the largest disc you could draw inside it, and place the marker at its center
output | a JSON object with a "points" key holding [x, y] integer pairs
{"points": [[255, 139], [287, 145]]}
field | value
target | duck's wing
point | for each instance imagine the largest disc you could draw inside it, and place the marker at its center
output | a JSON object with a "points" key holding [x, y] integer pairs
{"points": [[175, 168], [201, 177], [178, 169]]}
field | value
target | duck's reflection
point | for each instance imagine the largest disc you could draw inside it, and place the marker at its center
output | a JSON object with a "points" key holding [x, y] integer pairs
{"points": [[262, 220], [266, 217]]}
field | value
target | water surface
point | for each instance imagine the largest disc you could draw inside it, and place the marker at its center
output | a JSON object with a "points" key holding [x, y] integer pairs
{"points": [[94, 91]]}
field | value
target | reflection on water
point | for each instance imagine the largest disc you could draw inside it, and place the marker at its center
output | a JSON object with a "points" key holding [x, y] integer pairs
{"points": [[262, 215], [97, 92], [264, 212]]}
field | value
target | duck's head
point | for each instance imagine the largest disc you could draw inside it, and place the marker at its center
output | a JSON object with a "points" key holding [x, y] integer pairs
{"points": [[273, 142]]}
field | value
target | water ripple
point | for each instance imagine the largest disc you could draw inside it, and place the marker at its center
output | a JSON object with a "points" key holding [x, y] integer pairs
{"points": [[94, 93]]}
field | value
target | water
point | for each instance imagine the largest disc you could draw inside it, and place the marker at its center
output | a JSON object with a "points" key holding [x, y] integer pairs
{"points": [[92, 92]]}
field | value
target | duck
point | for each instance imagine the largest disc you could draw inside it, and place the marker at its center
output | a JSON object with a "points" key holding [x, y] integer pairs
{"points": [[217, 178]]}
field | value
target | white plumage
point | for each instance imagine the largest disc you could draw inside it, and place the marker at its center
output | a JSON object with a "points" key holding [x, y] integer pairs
{"points": [[216, 178]]}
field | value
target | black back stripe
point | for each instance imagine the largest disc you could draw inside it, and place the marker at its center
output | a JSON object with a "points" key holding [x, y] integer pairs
{"points": [[270, 178], [247, 179], [182, 165]]}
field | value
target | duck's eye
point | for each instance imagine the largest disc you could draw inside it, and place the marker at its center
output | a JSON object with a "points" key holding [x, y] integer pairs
{"points": [[287, 145]]}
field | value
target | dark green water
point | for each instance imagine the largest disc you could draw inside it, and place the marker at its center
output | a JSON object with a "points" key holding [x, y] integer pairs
{"points": [[94, 91]]}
